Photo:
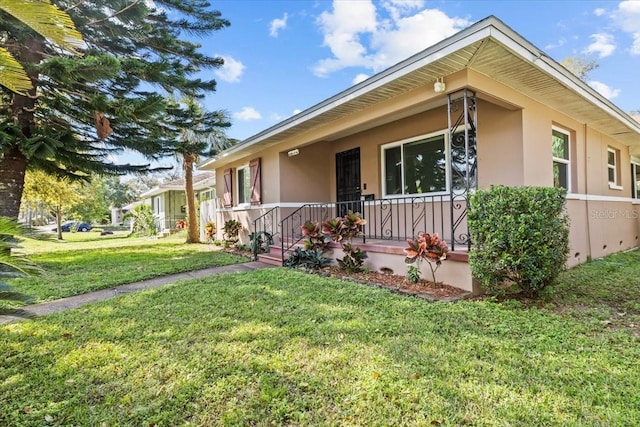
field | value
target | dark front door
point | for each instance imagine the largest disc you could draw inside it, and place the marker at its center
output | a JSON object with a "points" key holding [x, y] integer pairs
{"points": [[348, 181]]}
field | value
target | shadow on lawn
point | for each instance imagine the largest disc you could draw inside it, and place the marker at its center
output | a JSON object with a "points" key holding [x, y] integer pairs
{"points": [[275, 346]]}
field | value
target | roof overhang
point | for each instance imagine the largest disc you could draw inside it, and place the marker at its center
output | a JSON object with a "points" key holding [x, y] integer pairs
{"points": [[200, 182], [489, 47]]}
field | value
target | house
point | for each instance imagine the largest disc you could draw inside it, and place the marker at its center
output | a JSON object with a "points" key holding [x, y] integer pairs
{"points": [[168, 200], [409, 145]]}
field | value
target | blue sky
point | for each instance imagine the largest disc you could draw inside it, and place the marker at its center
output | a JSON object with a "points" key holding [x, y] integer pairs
{"points": [[284, 56]]}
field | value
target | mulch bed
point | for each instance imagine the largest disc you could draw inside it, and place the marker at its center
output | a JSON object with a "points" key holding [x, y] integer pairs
{"points": [[399, 284]]}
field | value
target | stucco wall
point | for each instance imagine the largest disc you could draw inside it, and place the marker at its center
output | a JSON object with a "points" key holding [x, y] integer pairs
{"points": [[306, 177]]}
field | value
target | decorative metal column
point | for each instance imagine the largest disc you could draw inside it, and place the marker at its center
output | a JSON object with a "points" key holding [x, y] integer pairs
{"points": [[462, 154]]}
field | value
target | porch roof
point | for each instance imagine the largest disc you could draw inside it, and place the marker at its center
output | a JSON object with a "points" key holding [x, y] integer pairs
{"points": [[489, 47]]}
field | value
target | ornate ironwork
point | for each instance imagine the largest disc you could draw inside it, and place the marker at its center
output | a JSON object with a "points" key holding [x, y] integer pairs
{"points": [[267, 223], [463, 158]]}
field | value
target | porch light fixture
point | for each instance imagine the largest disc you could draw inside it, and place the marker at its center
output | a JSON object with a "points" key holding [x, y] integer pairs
{"points": [[293, 153], [439, 86]]}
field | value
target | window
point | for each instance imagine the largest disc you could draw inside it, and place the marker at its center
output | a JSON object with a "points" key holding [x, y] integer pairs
{"points": [[421, 165], [415, 166], [248, 183], [561, 160], [613, 163], [244, 185], [635, 180]]}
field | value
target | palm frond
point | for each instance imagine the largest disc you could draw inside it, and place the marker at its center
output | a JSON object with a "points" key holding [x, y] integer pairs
{"points": [[13, 76], [47, 20]]}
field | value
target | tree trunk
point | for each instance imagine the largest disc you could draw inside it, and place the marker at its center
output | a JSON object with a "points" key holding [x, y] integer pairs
{"points": [[59, 223], [13, 165], [13, 162], [193, 234]]}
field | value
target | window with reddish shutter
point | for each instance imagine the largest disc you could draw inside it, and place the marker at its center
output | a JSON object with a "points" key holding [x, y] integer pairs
{"points": [[256, 182], [227, 198]]}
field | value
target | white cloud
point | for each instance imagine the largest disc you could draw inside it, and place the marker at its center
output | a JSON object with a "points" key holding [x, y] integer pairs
{"points": [[604, 90], [397, 8], [231, 71], [277, 25], [412, 34], [599, 11], [297, 111], [246, 114], [627, 17], [561, 42], [342, 29], [603, 45], [359, 36], [360, 78]]}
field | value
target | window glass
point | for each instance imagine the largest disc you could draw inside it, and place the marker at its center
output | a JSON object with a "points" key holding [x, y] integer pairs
{"points": [[561, 164], [560, 172], [424, 166], [244, 185], [458, 165], [393, 170], [560, 142], [612, 171]]}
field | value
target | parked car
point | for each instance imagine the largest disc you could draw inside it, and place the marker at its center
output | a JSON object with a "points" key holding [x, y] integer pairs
{"points": [[74, 226]]}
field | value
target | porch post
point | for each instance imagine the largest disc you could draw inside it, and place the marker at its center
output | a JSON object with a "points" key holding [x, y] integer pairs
{"points": [[462, 157]]}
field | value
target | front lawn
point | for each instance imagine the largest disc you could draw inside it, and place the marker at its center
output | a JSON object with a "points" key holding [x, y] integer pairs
{"points": [[88, 261], [280, 347]]}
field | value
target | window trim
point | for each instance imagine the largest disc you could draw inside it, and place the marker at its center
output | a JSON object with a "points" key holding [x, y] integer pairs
{"points": [[560, 159], [444, 133], [615, 184], [635, 189]]}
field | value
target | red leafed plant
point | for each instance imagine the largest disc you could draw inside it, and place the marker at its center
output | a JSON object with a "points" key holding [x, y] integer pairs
{"points": [[313, 233], [427, 247]]}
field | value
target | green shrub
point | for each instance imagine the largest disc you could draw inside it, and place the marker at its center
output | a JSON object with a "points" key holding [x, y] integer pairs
{"points": [[259, 242], [143, 221], [310, 259], [231, 230], [519, 235]]}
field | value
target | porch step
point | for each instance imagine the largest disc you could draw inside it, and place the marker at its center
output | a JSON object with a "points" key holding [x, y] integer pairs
{"points": [[273, 257], [270, 259]]}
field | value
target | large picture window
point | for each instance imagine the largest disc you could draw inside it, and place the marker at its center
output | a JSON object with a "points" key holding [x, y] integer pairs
{"points": [[415, 166], [561, 160]]}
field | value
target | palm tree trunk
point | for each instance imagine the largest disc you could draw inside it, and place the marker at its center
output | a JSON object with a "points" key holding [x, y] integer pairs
{"points": [[193, 235]]}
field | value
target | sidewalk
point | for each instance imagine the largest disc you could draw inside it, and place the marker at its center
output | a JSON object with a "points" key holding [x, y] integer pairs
{"points": [[56, 306]]}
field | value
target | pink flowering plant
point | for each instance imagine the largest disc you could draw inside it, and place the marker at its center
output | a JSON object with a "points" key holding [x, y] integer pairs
{"points": [[428, 247]]}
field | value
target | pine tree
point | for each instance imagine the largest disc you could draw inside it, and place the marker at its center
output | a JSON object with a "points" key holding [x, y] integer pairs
{"points": [[83, 109]]}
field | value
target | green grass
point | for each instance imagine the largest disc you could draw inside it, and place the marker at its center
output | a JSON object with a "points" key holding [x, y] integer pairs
{"points": [[279, 347], [606, 289], [87, 261]]}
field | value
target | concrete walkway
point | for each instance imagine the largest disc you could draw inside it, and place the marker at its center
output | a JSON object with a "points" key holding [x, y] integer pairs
{"points": [[42, 309]]}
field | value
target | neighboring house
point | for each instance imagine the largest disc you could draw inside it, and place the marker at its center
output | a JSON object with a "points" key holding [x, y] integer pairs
{"points": [[169, 202], [117, 215], [407, 147]]}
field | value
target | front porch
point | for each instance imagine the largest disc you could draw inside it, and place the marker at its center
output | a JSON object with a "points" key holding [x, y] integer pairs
{"points": [[390, 222]]}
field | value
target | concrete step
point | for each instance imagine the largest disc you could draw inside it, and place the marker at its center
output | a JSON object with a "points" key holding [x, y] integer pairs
{"points": [[270, 258]]}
